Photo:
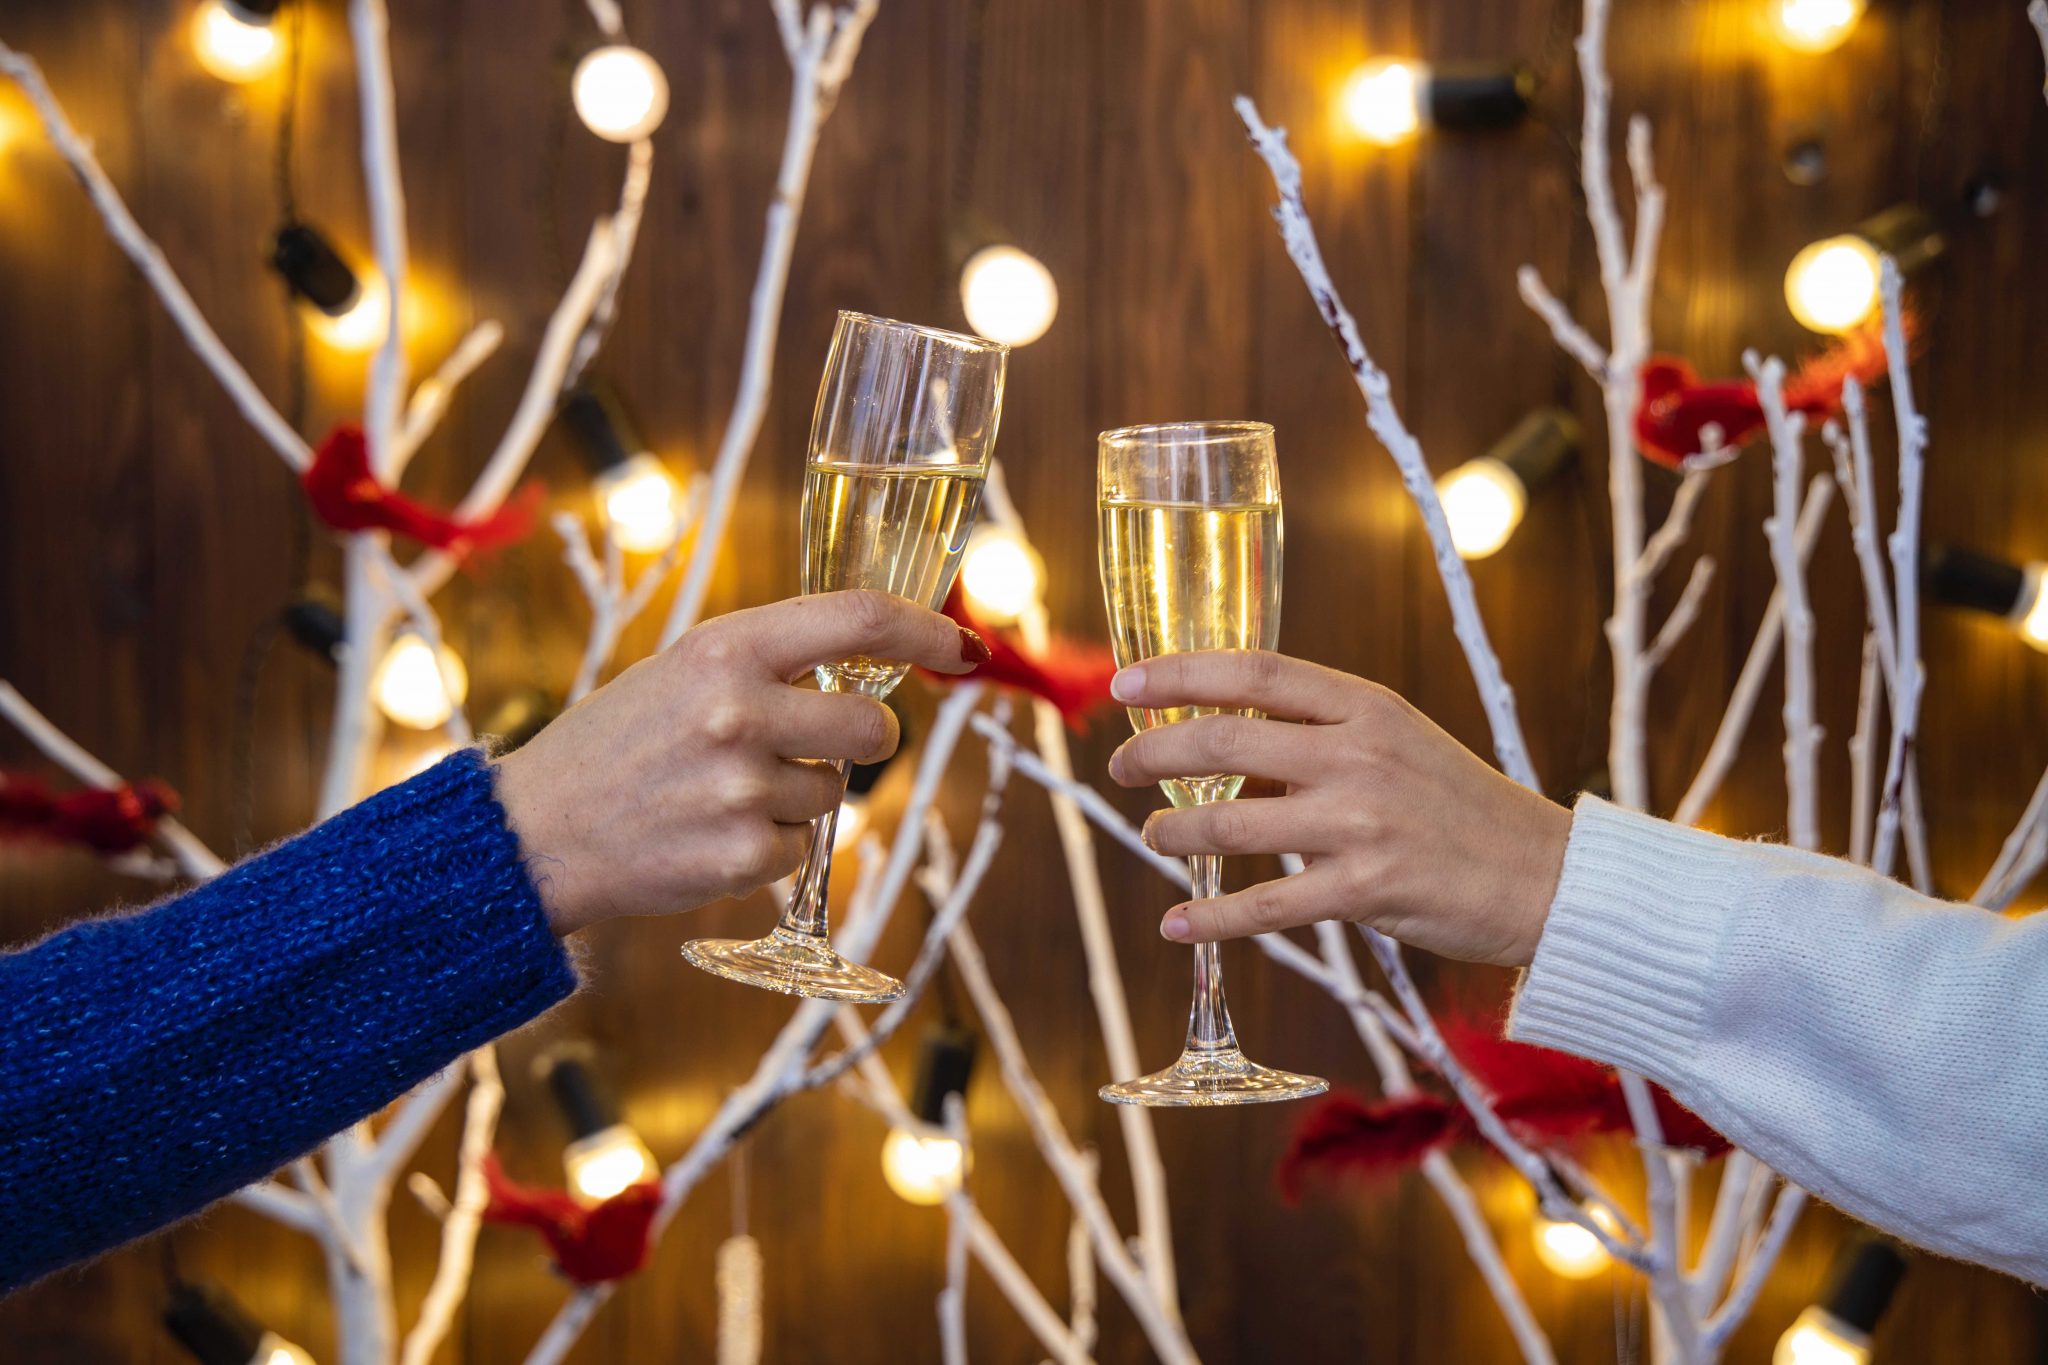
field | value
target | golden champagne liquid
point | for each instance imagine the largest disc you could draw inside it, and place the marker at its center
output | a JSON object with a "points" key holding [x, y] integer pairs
{"points": [[894, 528], [1190, 576]]}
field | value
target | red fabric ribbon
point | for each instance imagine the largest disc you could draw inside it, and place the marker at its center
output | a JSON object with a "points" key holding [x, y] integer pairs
{"points": [[111, 821], [1677, 405], [1071, 675], [590, 1245], [346, 496]]}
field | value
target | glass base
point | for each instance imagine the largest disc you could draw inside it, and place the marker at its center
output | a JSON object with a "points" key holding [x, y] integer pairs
{"points": [[1224, 1076], [795, 964]]}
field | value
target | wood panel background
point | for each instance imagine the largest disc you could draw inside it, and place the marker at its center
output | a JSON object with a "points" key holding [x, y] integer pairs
{"points": [[147, 539]]}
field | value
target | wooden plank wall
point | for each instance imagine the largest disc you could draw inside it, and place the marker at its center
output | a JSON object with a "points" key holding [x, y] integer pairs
{"points": [[146, 538]]}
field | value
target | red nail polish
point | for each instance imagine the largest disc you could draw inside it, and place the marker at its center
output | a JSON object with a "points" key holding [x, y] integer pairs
{"points": [[973, 649]]}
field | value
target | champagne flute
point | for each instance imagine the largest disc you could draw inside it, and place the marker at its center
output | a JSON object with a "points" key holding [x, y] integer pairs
{"points": [[900, 444], [1189, 537]]}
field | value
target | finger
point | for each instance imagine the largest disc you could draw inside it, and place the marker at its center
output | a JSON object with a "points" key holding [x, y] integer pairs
{"points": [[803, 724], [795, 636], [1267, 825], [1279, 750], [792, 842], [1284, 903], [800, 792], [1244, 679]]}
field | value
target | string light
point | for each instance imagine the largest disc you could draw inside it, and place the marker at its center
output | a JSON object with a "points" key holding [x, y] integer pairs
{"points": [[1815, 25], [923, 1165], [1836, 1330], [413, 690], [235, 40], [640, 501], [2016, 594], [1008, 295], [620, 93], [1382, 101], [1567, 1249], [605, 1156], [1832, 284], [1484, 499], [1001, 575], [1388, 101], [347, 311], [216, 1330]]}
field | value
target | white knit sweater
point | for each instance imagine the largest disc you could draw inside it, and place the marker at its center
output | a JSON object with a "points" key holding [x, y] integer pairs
{"points": [[1886, 1051]]}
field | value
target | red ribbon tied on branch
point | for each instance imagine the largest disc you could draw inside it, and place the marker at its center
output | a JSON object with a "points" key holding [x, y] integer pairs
{"points": [[108, 821], [590, 1245], [1071, 675], [1677, 405], [347, 496]]}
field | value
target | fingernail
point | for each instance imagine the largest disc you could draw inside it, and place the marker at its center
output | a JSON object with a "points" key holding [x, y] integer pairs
{"points": [[973, 649], [1116, 764], [1127, 683], [1145, 831], [1174, 926]]}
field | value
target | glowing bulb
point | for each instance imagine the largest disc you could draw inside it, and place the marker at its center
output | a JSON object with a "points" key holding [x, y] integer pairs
{"points": [[412, 690], [1009, 295], [608, 1161], [360, 324], [619, 93], [231, 47], [1001, 575], [642, 505], [1483, 501], [922, 1169], [1569, 1250], [275, 1350], [1816, 25], [2031, 614], [1383, 100], [1832, 286], [1818, 1337]]}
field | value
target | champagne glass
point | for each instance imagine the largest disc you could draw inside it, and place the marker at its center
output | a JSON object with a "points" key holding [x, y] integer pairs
{"points": [[1189, 536], [900, 444]]}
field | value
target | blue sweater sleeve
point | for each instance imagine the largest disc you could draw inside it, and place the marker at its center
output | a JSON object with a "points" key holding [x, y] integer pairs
{"points": [[154, 1062]]}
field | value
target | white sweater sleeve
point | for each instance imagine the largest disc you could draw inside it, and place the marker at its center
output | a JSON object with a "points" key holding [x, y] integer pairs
{"points": [[1886, 1051]]}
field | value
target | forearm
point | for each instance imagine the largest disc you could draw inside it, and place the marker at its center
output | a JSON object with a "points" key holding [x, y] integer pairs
{"points": [[153, 1062], [1883, 1050]]}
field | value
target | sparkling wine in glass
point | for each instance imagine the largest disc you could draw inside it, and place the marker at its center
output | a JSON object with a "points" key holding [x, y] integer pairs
{"points": [[900, 445], [1189, 537]]}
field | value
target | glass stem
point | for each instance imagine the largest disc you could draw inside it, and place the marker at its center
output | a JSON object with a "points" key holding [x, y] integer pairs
{"points": [[805, 915], [1209, 1027]]}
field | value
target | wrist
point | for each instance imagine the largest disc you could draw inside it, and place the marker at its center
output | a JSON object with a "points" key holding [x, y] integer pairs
{"points": [[528, 817], [1541, 852]]}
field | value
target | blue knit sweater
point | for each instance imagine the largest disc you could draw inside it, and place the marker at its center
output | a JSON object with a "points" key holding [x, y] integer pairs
{"points": [[154, 1062]]}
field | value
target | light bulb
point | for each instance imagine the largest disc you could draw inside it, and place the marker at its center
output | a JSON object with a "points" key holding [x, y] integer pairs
{"points": [[608, 1161], [360, 324], [1815, 25], [2030, 612], [1832, 286], [642, 505], [619, 93], [1001, 575], [922, 1169], [1008, 295], [1569, 1250], [1483, 502], [1382, 101], [229, 46], [1818, 1337], [411, 689], [852, 822], [275, 1350]]}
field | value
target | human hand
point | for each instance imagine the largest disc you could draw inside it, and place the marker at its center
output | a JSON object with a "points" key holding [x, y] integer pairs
{"points": [[1402, 827], [694, 774]]}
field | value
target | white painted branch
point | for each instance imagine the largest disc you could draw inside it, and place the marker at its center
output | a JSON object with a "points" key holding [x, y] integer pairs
{"points": [[282, 1205], [411, 1122], [626, 230], [1385, 420], [369, 30], [465, 1211], [148, 258], [1863, 752], [1683, 614], [1724, 1230], [1659, 548], [2021, 857], [431, 398], [1905, 552], [1802, 731], [1081, 1273], [953, 1297], [1573, 339], [1016, 1286], [1729, 1316], [2037, 15], [1450, 1187], [1763, 652], [1089, 800], [1668, 1291]]}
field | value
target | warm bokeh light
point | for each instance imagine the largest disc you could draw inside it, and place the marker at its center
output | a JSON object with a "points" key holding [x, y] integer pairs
{"points": [[619, 93], [852, 823], [642, 505], [1001, 575], [1569, 1250], [1483, 502], [922, 1169], [411, 690], [1815, 25], [231, 47], [360, 325], [2031, 612], [1817, 1338], [1008, 295], [275, 1350], [1382, 100], [1832, 286], [608, 1161]]}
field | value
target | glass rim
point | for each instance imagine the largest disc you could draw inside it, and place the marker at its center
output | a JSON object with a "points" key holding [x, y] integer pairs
{"points": [[965, 341], [1187, 433]]}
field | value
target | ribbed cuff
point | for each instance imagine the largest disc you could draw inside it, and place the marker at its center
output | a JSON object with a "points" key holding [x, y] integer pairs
{"points": [[1621, 971]]}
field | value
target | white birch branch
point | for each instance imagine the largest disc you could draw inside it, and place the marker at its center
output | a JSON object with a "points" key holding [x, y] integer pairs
{"points": [[369, 30], [1802, 732], [952, 1306], [1664, 542], [431, 398], [281, 1205], [465, 1212], [1905, 551], [1683, 614], [1750, 1283], [1571, 338], [1863, 751], [2021, 857]]}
